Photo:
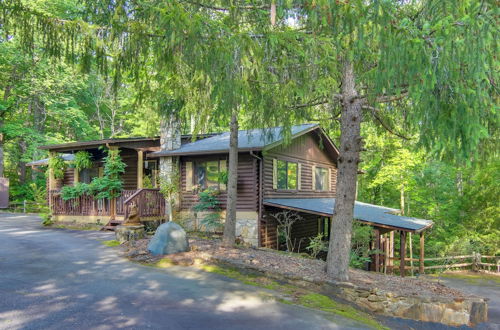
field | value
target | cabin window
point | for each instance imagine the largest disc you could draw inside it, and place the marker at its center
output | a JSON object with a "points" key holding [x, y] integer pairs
{"points": [[321, 178], [208, 173], [286, 173], [86, 175]]}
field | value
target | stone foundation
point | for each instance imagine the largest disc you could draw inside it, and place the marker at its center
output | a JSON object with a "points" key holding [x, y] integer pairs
{"points": [[129, 233], [246, 224], [445, 310]]}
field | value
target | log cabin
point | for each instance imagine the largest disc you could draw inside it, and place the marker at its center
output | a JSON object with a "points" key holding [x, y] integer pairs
{"points": [[274, 174]]}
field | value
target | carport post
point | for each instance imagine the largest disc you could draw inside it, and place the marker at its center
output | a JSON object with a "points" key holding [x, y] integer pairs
{"points": [[402, 252], [421, 268], [377, 248]]}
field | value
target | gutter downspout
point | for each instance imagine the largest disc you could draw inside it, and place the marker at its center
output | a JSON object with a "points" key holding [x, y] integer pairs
{"points": [[261, 197]]}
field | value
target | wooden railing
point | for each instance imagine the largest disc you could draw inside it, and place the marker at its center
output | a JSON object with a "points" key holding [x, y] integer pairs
{"points": [[149, 202], [83, 205], [120, 201], [473, 261]]}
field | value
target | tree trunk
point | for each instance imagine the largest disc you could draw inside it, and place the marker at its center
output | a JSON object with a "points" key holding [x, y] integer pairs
{"points": [[230, 224], [22, 165], [350, 146]]}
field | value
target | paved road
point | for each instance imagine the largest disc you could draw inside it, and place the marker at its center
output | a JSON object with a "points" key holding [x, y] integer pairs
{"points": [[63, 279], [482, 288]]}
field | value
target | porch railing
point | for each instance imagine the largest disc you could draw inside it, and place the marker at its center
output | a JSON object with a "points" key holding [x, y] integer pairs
{"points": [[83, 205], [150, 203]]}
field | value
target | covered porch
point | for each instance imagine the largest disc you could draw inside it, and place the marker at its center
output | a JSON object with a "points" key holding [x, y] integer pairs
{"points": [[139, 182], [386, 224]]}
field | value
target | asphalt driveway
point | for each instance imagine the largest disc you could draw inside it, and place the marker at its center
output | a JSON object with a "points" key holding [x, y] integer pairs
{"points": [[63, 279]]}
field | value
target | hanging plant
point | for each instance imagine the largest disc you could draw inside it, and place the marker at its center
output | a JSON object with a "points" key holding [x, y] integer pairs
{"points": [[83, 160], [58, 166]]}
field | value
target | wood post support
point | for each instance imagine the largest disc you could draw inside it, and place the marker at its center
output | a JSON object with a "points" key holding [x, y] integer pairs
{"points": [[391, 252], [377, 250], [402, 252], [140, 169], [76, 176], [421, 268]]}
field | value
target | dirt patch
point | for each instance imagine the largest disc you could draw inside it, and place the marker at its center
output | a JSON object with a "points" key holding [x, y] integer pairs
{"points": [[289, 265]]}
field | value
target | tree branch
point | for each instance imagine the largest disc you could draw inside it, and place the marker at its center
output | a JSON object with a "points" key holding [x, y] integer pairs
{"points": [[384, 125]]}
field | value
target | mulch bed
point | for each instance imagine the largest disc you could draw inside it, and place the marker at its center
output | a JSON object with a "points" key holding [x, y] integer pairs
{"points": [[291, 265]]}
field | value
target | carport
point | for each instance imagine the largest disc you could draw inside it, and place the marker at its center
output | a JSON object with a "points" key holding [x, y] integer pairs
{"points": [[385, 221]]}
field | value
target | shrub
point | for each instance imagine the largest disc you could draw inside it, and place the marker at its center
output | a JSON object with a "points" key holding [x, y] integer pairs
{"points": [[82, 160], [317, 244], [208, 202], [58, 166]]}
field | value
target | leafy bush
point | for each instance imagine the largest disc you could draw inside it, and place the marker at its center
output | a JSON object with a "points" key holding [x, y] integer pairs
{"points": [[46, 219], [360, 245], [109, 186], [317, 244], [82, 160], [58, 166], [208, 202], [79, 189]]}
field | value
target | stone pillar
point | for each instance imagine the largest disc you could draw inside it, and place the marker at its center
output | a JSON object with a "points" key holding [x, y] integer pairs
{"points": [[170, 139]]}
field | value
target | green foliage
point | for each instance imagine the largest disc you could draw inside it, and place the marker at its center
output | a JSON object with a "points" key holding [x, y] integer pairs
{"points": [[58, 166], [223, 177], [111, 243], [107, 187], [208, 201], [316, 245], [360, 245], [79, 189], [82, 160], [46, 219], [169, 187]]}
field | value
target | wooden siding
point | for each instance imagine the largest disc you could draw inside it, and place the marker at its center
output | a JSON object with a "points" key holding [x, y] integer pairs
{"points": [[248, 183], [306, 151], [68, 180], [129, 157], [301, 230]]}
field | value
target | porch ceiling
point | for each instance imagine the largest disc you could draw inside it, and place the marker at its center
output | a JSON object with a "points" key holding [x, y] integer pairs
{"points": [[368, 213]]}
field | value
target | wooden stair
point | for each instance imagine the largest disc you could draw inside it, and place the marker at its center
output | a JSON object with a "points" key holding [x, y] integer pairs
{"points": [[112, 225]]}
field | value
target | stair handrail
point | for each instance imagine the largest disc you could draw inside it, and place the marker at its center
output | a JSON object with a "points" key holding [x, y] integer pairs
{"points": [[134, 196]]}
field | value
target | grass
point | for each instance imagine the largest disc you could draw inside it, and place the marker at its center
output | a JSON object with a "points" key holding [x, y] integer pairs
{"points": [[472, 278], [297, 295], [111, 243]]}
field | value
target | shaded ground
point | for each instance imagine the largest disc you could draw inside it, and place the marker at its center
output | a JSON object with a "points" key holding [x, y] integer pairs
{"points": [[64, 279], [292, 266]]}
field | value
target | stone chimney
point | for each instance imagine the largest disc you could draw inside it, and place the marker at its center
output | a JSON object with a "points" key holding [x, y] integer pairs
{"points": [[170, 139]]}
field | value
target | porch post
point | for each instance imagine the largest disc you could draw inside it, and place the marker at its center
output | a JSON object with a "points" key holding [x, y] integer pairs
{"points": [[52, 181], [76, 176], [402, 252], [112, 202], [421, 268], [140, 169], [377, 247], [391, 252]]}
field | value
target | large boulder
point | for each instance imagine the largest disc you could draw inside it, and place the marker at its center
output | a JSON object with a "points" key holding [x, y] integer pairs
{"points": [[169, 238]]}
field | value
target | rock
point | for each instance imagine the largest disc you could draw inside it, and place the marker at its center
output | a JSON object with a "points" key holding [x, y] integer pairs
{"points": [[129, 233], [479, 312], [169, 238]]}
